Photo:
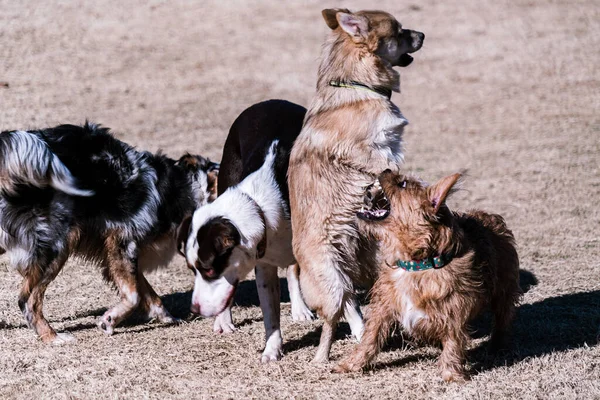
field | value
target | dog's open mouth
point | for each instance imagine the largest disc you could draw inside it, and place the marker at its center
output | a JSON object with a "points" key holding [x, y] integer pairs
{"points": [[377, 205], [405, 60]]}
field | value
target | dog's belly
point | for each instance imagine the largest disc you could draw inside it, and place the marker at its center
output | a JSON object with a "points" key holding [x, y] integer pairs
{"points": [[157, 254]]}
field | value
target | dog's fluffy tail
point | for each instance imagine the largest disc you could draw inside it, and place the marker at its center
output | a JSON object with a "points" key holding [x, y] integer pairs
{"points": [[26, 159]]}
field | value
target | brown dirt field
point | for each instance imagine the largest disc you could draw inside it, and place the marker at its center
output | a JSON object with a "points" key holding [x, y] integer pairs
{"points": [[509, 90]]}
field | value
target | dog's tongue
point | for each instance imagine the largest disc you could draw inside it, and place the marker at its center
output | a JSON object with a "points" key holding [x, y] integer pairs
{"points": [[405, 60]]}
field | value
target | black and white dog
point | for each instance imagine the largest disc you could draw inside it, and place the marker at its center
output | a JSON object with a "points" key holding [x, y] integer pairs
{"points": [[248, 224], [73, 190]]}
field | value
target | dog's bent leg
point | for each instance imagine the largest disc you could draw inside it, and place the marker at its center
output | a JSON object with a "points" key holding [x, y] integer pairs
{"points": [[269, 295], [325, 289], [354, 318], [152, 303], [224, 322], [121, 268], [300, 312], [327, 334], [31, 299]]}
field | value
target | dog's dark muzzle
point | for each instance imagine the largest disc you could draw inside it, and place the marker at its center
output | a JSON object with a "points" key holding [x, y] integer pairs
{"points": [[415, 40]]}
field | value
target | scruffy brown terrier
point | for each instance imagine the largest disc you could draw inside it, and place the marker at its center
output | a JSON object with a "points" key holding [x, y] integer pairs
{"points": [[442, 269]]}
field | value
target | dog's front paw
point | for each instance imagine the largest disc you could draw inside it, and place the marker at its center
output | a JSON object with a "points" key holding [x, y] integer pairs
{"points": [[452, 375], [273, 348], [346, 366], [271, 355], [300, 312], [224, 323], [107, 324], [63, 338], [169, 319]]}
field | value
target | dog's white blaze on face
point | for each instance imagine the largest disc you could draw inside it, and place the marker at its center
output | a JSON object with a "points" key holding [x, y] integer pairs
{"points": [[212, 297]]}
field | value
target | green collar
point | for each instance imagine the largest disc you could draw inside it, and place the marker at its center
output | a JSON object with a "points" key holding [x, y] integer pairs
{"points": [[385, 92], [424, 264]]}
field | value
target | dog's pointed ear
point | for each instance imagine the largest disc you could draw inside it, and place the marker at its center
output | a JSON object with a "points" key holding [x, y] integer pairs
{"points": [[438, 193], [182, 234], [329, 16], [354, 25], [212, 177]]}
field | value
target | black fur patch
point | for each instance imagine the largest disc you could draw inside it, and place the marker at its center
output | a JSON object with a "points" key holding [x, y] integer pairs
{"points": [[139, 195], [217, 238]]}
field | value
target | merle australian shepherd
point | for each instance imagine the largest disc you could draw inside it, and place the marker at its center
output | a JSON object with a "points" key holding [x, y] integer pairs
{"points": [[73, 190]]}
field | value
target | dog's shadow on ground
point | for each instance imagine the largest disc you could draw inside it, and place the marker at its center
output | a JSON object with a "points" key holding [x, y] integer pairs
{"points": [[554, 324]]}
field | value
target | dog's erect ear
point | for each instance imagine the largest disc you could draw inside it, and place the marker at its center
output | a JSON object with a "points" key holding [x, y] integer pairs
{"points": [[182, 234], [438, 193], [212, 176], [329, 16], [354, 25]]}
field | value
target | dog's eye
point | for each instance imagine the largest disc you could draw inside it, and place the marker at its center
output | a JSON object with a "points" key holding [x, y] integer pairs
{"points": [[402, 184]]}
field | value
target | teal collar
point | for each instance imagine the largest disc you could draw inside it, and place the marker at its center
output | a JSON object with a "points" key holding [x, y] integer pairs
{"points": [[385, 92], [424, 264]]}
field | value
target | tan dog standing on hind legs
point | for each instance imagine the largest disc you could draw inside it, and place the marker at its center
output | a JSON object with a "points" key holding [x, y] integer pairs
{"points": [[441, 269], [352, 132]]}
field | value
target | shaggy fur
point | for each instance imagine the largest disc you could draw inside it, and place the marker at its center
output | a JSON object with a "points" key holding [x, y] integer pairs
{"points": [[435, 305], [73, 190], [349, 136]]}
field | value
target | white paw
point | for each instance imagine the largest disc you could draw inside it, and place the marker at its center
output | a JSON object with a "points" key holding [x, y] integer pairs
{"points": [[63, 338], [223, 325], [301, 313], [106, 324], [271, 355], [169, 319]]}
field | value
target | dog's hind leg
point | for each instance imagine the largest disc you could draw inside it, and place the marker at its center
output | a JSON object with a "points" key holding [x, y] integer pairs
{"points": [[327, 335], [269, 295], [31, 298], [152, 303], [325, 290], [300, 312], [120, 268], [503, 309], [380, 318]]}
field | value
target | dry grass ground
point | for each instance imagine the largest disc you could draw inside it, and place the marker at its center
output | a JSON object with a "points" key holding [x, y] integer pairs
{"points": [[509, 90]]}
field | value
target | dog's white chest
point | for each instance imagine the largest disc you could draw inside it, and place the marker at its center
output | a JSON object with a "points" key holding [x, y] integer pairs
{"points": [[389, 136], [411, 315]]}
